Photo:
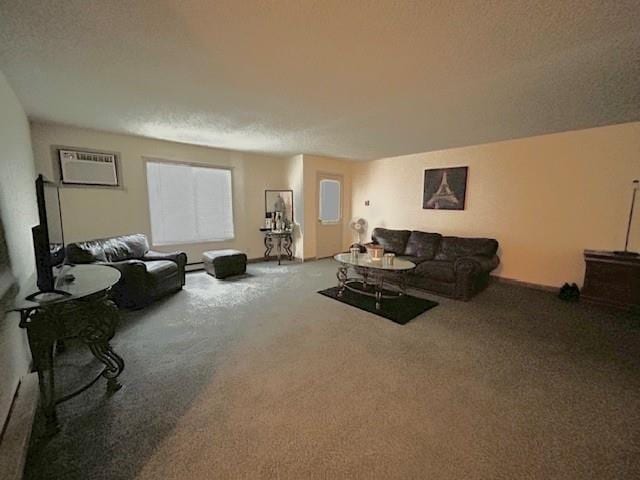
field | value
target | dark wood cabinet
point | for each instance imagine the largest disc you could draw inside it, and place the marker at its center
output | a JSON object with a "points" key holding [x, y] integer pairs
{"points": [[611, 279]]}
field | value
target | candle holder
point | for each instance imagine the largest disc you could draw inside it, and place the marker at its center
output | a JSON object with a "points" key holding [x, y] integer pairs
{"points": [[375, 252]]}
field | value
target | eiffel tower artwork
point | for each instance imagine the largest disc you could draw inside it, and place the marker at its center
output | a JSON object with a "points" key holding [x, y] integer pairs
{"points": [[445, 189]]}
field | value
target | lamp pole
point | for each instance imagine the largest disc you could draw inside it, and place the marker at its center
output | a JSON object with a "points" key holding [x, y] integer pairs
{"points": [[626, 242]]}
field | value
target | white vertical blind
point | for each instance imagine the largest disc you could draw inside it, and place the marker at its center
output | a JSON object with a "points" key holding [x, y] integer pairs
{"points": [[189, 204], [330, 201]]}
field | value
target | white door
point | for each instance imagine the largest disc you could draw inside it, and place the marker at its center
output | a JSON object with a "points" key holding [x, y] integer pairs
{"points": [[329, 227]]}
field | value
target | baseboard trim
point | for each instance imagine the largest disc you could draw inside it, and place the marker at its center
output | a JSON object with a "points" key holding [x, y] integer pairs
{"points": [[14, 441], [260, 259], [198, 267], [273, 258], [520, 283]]}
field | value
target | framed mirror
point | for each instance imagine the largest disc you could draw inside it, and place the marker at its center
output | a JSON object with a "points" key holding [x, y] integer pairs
{"points": [[279, 201]]}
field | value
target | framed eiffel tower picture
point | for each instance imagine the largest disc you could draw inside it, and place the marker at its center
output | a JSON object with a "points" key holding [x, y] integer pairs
{"points": [[445, 188]]}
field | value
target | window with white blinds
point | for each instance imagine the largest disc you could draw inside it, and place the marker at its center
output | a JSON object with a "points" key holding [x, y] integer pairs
{"points": [[189, 204]]}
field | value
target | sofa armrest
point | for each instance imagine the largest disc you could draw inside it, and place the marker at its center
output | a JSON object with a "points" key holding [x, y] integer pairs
{"points": [[418, 260], [127, 267], [476, 263], [178, 257], [132, 284]]}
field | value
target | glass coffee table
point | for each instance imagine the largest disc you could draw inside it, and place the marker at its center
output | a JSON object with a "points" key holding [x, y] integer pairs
{"points": [[372, 276]]}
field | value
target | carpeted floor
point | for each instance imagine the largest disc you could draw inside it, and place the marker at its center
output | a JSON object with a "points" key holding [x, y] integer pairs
{"points": [[263, 378]]}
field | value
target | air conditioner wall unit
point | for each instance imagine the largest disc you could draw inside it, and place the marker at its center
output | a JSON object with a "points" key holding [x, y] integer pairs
{"points": [[79, 167]]}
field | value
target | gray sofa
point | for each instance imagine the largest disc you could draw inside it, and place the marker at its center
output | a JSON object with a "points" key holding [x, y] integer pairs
{"points": [[145, 275], [454, 267]]}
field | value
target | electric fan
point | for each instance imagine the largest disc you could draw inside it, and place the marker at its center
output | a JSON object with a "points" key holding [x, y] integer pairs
{"points": [[358, 226]]}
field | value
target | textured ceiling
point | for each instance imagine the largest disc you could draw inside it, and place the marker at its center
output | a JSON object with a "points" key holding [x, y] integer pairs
{"points": [[357, 79]]}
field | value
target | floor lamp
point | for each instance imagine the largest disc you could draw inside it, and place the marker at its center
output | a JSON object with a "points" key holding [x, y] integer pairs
{"points": [[626, 251]]}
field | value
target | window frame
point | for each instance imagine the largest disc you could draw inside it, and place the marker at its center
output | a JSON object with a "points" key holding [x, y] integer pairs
{"points": [[150, 159], [339, 180]]}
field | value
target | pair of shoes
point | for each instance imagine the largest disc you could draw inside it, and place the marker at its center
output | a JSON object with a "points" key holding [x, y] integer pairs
{"points": [[569, 293]]}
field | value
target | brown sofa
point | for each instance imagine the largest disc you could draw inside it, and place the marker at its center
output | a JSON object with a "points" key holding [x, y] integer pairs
{"points": [[454, 267], [145, 275]]}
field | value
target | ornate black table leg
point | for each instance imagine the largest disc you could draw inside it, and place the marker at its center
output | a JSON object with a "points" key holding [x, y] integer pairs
{"points": [[46, 381], [342, 279], [402, 283], [41, 332], [268, 245], [100, 318], [378, 292], [288, 243], [279, 250]]}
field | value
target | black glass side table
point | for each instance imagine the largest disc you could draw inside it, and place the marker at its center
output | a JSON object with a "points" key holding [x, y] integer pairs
{"points": [[85, 312], [281, 240]]}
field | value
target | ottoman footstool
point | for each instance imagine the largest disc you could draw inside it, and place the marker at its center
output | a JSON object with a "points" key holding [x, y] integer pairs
{"points": [[224, 263]]}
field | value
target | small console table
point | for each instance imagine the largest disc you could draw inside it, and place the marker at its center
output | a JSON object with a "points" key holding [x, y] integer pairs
{"points": [[612, 279], [282, 240], [87, 313]]}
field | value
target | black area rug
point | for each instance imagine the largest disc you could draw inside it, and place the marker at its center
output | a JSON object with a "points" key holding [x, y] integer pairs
{"points": [[400, 310]]}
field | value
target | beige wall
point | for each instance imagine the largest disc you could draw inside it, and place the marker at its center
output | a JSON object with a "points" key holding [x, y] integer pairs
{"points": [[18, 213], [545, 198], [99, 212], [312, 166]]}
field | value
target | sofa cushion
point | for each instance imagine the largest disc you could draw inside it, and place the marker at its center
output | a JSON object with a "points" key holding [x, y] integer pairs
{"points": [[115, 249], [393, 241], [411, 258], [441, 271], [452, 248], [125, 247], [423, 244], [137, 244], [161, 268], [85, 252]]}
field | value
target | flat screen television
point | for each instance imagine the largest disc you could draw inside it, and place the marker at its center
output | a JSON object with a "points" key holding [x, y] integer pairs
{"points": [[48, 237]]}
